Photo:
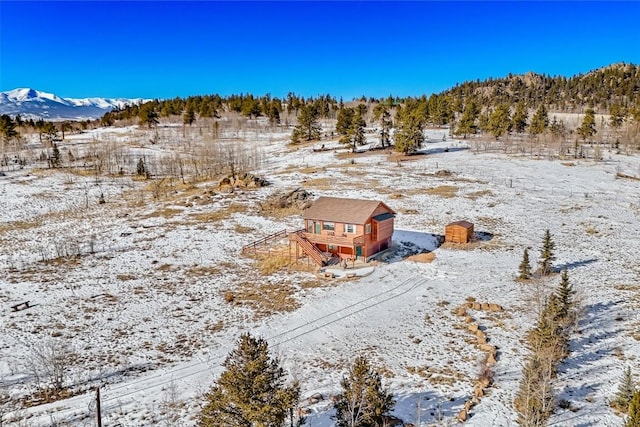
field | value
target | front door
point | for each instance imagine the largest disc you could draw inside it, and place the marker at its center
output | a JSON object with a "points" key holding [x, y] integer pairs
{"points": [[358, 251]]}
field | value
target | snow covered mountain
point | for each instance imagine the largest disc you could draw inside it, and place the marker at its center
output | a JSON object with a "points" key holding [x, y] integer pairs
{"points": [[31, 103]]}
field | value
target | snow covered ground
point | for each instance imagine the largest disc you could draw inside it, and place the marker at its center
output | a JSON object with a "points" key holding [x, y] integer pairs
{"points": [[142, 306]]}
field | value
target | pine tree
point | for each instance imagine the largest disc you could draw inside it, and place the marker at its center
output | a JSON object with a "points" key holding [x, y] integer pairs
{"points": [[625, 393], [539, 122], [363, 402], [381, 112], [519, 120], [345, 118], [499, 121], [189, 116], [547, 254], [251, 391], [588, 127], [409, 137], [565, 296], [55, 156], [141, 169], [633, 419], [148, 115], [525, 266], [308, 127], [467, 124], [7, 128]]}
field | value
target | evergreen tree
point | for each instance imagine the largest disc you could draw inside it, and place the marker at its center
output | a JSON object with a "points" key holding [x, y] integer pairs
{"points": [[251, 392], [345, 118], [141, 169], [467, 124], [617, 115], [547, 254], [409, 137], [625, 393], [519, 120], [499, 121], [147, 115], [540, 121], [55, 156], [48, 132], [189, 116], [588, 127], [308, 127], [363, 402], [7, 128], [565, 296], [381, 112], [633, 420], [525, 266]]}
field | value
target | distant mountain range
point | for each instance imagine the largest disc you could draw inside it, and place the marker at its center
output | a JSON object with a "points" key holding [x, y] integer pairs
{"points": [[34, 104]]}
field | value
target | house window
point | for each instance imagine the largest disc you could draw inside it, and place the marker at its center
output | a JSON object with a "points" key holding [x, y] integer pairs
{"points": [[332, 247], [367, 228], [310, 227], [330, 226], [349, 228]]}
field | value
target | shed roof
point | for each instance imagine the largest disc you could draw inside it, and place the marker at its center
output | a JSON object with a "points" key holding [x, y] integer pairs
{"points": [[344, 210], [464, 224]]}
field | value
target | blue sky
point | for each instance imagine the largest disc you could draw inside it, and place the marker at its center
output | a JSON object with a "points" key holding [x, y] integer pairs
{"points": [[161, 49]]}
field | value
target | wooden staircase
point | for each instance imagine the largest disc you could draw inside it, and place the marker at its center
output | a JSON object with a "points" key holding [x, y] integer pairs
{"points": [[309, 248]]}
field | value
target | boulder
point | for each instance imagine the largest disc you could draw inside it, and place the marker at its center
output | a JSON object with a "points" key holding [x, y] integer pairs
{"points": [[488, 348], [462, 311], [495, 307]]}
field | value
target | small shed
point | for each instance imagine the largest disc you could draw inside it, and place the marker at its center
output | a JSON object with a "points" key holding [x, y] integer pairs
{"points": [[459, 232]]}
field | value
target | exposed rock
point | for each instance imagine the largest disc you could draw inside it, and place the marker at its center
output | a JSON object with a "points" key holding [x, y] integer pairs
{"points": [[495, 307], [462, 311]]}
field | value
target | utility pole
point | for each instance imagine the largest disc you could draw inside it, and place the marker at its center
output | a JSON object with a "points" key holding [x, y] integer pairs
{"points": [[98, 406]]}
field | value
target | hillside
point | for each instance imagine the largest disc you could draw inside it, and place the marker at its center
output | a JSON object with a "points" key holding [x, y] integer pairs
{"points": [[148, 291], [600, 89]]}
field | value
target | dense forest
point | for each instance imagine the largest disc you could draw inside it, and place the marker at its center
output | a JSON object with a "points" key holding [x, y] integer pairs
{"points": [[495, 108]]}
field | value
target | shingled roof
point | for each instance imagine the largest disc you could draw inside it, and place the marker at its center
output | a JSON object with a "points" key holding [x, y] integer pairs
{"points": [[347, 211]]}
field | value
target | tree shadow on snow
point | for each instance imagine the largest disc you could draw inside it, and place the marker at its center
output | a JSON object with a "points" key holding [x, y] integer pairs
{"points": [[427, 407], [575, 264], [440, 150], [585, 350]]}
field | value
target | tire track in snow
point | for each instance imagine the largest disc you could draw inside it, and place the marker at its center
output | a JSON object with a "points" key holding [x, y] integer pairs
{"points": [[70, 408]]}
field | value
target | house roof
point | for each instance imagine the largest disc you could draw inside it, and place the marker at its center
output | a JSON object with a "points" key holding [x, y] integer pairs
{"points": [[464, 224], [347, 211]]}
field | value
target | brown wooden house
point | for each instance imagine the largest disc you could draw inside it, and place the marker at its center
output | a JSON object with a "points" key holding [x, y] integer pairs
{"points": [[459, 232], [346, 228]]}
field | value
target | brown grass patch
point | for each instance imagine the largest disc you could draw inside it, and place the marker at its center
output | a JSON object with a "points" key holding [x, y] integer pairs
{"points": [[265, 299], [477, 194], [19, 226], [163, 213], [425, 257], [220, 214], [243, 229], [446, 191], [271, 264], [125, 277], [320, 183], [202, 271]]}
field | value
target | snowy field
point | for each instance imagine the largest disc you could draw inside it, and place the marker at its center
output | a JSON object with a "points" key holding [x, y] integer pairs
{"points": [[142, 308]]}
